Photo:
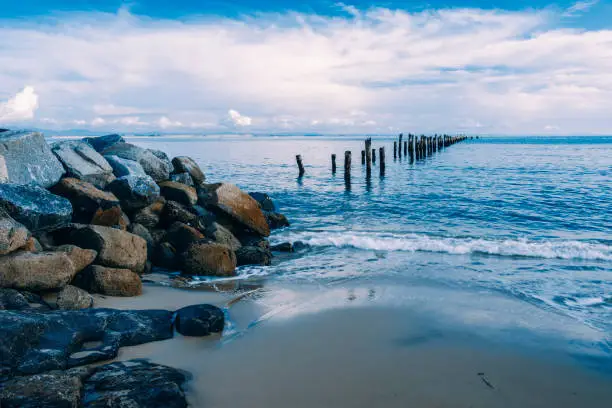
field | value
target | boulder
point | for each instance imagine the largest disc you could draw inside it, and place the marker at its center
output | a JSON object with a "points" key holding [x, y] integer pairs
{"points": [[199, 320], [235, 203], [264, 200], [282, 247], [109, 281], [184, 164], [254, 240], [135, 384], [180, 236], [34, 207], [55, 340], [142, 232], [69, 298], [36, 271], [103, 142], [174, 212], [89, 204], [81, 161], [165, 256], [183, 178], [276, 220], [125, 167], [25, 158], [80, 258], [156, 167], [202, 258], [223, 236], [116, 248], [13, 235], [150, 215], [11, 299], [251, 255], [32, 245], [135, 192], [48, 390], [181, 193]]}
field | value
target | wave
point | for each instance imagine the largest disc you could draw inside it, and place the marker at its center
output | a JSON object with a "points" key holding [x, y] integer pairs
{"points": [[460, 246]]}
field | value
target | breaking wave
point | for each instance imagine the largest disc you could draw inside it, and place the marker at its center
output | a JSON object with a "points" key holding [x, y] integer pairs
{"points": [[414, 242]]}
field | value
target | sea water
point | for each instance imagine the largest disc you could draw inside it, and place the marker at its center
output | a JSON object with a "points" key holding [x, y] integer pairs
{"points": [[514, 227]]}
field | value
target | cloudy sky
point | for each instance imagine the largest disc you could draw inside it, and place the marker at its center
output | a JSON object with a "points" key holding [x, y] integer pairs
{"points": [[501, 67]]}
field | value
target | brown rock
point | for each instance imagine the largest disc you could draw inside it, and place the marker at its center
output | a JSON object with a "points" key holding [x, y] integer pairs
{"points": [[13, 235], [32, 245], [276, 220], [81, 258], [178, 192], [88, 202], [203, 258], [174, 211], [252, 255], [69, 298], [149, 216], [223, 236], [116, 248], [36, 271], [237, 204], [181, 236], [184, 164], [109, 281]]}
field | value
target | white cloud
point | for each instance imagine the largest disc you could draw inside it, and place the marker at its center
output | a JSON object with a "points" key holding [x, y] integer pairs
{"points": [[166, 123], [237, 119], [430, 71], [20, 107], [580, 7]]}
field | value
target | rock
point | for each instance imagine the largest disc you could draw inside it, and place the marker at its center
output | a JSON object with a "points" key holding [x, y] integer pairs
{"points": [[300, 246], [276, 220], [182, 235], [135, 384], [109, 281], [223, 236], [202, 258], [165, 256], [62, 339], [199, 320], [13, 235], [116, 248], [183, 178], [81, 161], [25, 158], [142, 232], [32, 245], [135, 192], [150, 215], [11, 299], [174, 212], [254, 240], [156, 167], [89, 204], [250, 255], [184, 164], [103, 142], [69, 298], [282, 247], [178, 192], [50, 390], [34, 207], [264, 201], [80, 258], [36, 271], [241, 207], [125, 167]]}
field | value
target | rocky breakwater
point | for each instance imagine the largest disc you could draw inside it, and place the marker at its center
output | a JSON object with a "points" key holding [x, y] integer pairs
{"points": [[92, 216]]}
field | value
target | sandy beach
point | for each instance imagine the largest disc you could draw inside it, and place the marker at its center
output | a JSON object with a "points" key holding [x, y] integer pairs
{"points": [[364, 345]]}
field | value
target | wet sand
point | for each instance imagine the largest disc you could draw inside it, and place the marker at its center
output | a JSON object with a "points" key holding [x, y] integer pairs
{"points": [[358, 346]]}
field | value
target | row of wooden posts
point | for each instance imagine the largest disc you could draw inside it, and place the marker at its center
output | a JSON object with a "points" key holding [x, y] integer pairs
{"points": [[415, 147]]}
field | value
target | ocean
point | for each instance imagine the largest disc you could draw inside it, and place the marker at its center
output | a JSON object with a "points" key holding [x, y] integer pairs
{"points": [[511, 236]]}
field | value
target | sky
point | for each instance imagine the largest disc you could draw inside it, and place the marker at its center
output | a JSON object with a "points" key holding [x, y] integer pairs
{"points": [[464, 66]]}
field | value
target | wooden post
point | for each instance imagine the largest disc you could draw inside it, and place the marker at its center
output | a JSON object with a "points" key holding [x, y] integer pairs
{"points": [[381, 154], [333, 164], [374, 155], [400, 145], [411, 147], [347, 169], [298, 158], [363, 157], [368, 153], [405, 148], [395, 149]]}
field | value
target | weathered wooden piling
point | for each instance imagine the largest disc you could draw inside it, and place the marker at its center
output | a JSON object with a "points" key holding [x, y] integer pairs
{"points": [[395, 149], [374, 155], [411, 146], [400, 145], [347, 165], [298, 158], [381, 157], [368, 153], [363, 157], [333, 164], [405, 148]]}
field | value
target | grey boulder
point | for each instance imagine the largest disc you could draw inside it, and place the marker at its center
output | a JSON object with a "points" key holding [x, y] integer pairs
{"points": [[199, 320], [153, 164], [13, 235], [81, 161], [25, 158], [135, 192], [103, 142], [125, 167], [184, 164]]}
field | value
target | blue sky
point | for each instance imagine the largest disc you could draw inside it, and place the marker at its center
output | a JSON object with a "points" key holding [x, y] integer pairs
{"points": [[501, 67]]}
